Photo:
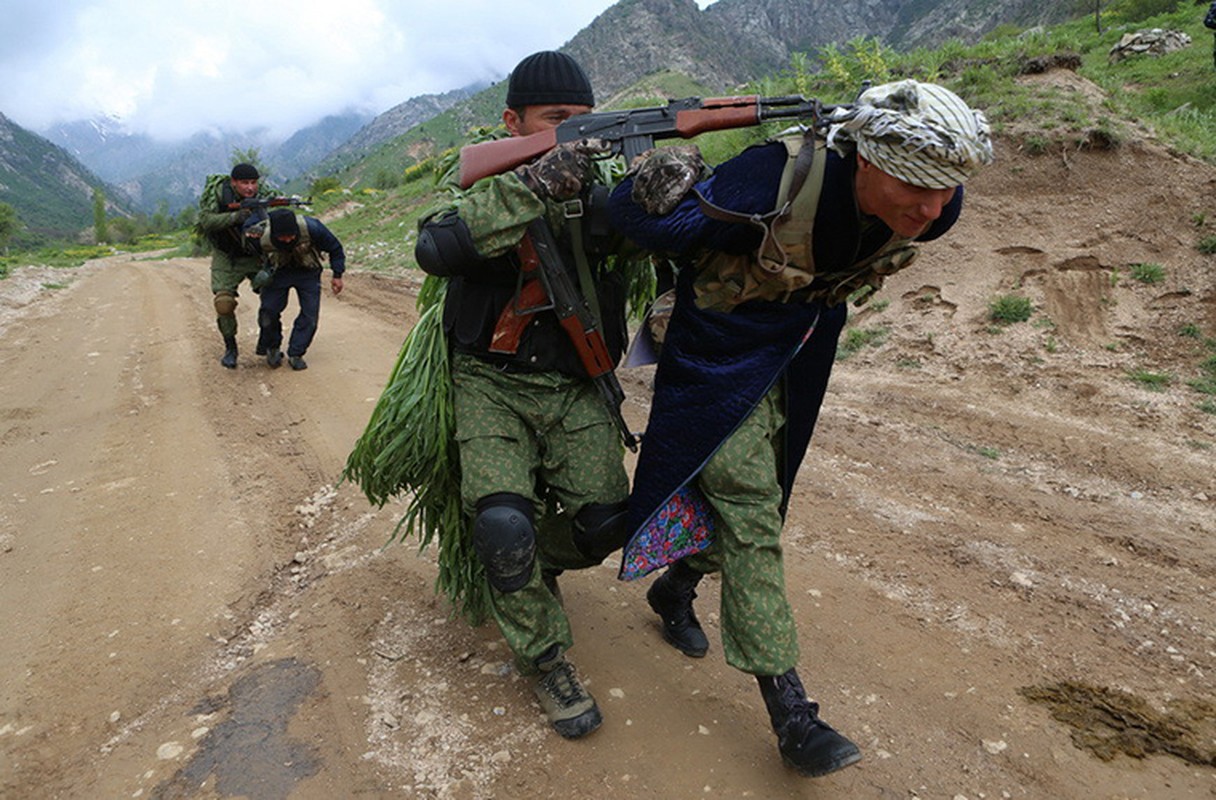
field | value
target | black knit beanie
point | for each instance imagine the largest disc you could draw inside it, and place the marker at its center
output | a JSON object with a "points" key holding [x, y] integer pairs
{"points": [[283, 223], [245, 172], [548, 78]]}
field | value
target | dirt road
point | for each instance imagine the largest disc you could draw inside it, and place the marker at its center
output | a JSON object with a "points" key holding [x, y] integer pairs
{"points": [[1001, 550]]}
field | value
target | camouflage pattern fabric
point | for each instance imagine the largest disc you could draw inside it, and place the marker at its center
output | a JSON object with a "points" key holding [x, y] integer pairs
{"points": [[561, 173], [497, 212], [518, 431], [742, 485], [663, 176]]}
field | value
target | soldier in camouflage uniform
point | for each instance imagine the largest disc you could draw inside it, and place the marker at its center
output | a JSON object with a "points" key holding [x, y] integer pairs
{"points": [[748, 352], [231, 261], [541, 462]]}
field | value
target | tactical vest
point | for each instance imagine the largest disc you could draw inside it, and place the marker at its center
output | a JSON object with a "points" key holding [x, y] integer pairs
{"points": [[783, 267], [302, 256]]}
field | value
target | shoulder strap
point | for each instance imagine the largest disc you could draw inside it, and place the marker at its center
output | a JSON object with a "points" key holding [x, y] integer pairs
{"points": [[802, 186]]}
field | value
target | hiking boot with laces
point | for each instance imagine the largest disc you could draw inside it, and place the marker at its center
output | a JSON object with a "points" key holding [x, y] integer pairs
{"points": [[570, 708], [807, 743], [671, 598]]}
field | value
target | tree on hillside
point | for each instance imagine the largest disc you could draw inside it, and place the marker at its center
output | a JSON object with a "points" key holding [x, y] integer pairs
{"points": [[101, 231], [248, 156], [9, 223]]}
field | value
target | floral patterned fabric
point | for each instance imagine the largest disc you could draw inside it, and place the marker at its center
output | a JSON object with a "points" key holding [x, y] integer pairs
{"points": [[681, 527]]}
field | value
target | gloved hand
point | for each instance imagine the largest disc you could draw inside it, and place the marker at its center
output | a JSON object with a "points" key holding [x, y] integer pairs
{"points": [[262, 279], [661, 177], [561, 173]]}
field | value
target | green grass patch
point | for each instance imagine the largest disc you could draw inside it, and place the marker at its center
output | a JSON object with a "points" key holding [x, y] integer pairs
{"points": [[1153, 381], [1148, 273], [1010, 308], [856, 339]]}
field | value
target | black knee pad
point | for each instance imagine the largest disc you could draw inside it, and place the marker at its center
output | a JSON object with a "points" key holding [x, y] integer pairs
{"points": [[504, 537], [600, 529]]}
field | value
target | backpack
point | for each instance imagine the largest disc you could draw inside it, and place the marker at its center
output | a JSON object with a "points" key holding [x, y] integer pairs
{"points": [[217, 194], [1210, 19]]}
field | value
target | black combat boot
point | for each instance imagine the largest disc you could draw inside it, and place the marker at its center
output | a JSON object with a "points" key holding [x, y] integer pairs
{"points": [[807, 743], [671, 598], [229, 357]]}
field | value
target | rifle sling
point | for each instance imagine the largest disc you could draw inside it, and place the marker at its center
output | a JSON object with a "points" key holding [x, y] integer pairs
{"points": [[574, 219]]}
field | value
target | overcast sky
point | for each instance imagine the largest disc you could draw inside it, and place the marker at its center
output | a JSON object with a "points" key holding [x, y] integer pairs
{"points": [[173, 67]]}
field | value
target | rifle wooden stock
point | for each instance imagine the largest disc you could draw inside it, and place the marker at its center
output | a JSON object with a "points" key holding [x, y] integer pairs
{"points": [[483, 159]]}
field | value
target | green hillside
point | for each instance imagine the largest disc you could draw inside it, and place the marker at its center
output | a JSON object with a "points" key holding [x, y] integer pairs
{"points": [[1173, 96], [51, 192]]}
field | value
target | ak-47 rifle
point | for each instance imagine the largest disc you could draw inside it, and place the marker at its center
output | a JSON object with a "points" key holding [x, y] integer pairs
{"points": [[633, 131], [545, 285], [268, 202]]}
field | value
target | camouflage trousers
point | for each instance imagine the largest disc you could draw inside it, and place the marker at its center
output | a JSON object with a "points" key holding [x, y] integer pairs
{"points": [[742, 484], [227, 273], [546, 437]]}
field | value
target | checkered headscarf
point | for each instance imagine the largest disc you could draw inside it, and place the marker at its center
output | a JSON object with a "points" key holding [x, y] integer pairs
{"points": [[921, 133]]}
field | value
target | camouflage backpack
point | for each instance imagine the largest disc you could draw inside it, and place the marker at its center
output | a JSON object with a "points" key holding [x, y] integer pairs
{"points": [[217, 194]]}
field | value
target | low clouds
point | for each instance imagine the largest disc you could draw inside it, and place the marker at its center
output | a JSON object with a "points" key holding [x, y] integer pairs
{"points": [[172, 69]]}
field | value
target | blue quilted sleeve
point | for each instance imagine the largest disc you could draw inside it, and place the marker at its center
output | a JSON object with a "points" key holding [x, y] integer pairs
{"points": [[746, 184]]}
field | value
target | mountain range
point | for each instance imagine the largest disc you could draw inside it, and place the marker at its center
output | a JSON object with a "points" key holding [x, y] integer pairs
{"points": [[729, 43]]}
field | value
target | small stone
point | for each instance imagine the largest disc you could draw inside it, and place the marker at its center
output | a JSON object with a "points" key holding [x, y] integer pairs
{"points": [[1022, 579], [501, 757], [169, 750], [995, 747]]}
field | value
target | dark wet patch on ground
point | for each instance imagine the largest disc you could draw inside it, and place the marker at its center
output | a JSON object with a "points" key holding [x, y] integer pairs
{"points": [[1109, 723], [249, 754]]}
